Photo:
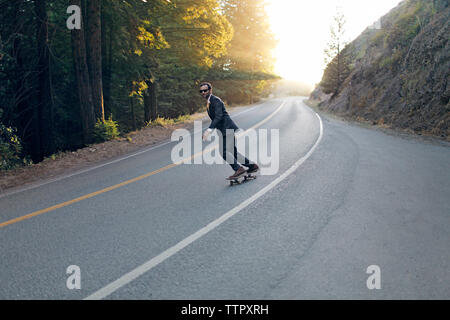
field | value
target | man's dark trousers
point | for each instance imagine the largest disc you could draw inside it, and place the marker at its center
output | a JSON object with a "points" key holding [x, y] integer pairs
{"points": [[228, 150]]}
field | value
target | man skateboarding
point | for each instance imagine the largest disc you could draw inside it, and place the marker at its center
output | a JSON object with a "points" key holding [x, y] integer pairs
{"points": [[221, 121]]}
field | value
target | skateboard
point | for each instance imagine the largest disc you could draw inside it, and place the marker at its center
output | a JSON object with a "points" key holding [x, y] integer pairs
{"points": [[243, 178]]}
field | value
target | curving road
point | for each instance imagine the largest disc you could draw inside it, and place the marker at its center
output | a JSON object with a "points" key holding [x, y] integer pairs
{"points": [[344, 198]]}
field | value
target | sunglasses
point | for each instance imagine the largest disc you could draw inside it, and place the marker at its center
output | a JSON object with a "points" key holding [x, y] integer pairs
{"points": [[202, 91]]}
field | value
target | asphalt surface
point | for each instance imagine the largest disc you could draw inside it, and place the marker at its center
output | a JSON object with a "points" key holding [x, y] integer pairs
{"points": [[360, 197]]}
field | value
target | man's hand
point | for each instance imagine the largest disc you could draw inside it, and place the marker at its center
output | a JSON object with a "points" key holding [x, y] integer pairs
{"points": [[206, 134]]}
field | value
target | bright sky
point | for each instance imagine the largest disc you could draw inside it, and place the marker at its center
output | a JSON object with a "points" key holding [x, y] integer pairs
{"points": [[302, 28]]}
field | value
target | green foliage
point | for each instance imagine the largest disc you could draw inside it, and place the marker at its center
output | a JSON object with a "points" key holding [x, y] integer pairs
{"points": [[105, 130], [10, 148], [201, 30], [378, 37], [408, 23], [243, 75], [385, 62], [406, 28], [172, 44], [253, 41], [392, 61]]}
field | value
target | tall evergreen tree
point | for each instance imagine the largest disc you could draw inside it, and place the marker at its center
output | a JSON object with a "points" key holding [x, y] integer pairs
{"points": [[44, 136], [94, 55], [336, 59], [82, 78]]}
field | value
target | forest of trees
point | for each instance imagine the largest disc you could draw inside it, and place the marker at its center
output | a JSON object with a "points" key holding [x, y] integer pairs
{"points": [[123, 63]]}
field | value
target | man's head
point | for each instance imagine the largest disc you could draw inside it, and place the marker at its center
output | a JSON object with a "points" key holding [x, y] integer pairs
{"points": [[205, 89]]}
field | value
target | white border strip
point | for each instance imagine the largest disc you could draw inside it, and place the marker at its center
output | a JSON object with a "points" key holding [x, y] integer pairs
{"points": [[132, 275]]}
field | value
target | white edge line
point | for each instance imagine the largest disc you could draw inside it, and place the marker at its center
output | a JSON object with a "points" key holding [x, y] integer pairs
{"points": [[34, 186], [130, 276]]}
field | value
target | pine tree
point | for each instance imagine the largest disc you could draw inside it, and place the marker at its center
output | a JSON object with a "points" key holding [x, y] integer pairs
{"points": [[336, 59]]}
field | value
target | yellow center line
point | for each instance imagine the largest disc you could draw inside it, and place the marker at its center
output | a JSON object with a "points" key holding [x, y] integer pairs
{"points": [[87, 196], [116, 186]]}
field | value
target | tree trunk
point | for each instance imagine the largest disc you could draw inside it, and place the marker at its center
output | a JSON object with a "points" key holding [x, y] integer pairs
{"points": [[133, 114], [44, 106], [24, 97], [94, 56], [107, 37], [147, 105], [150, 101], [82, 76], [154, 102]]}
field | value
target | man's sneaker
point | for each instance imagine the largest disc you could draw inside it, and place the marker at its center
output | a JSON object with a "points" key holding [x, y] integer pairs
{"points": [[253, 168], [239, 172]]}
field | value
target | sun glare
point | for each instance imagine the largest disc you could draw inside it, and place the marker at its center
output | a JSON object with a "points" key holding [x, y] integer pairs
{"points": [[303, 30]]}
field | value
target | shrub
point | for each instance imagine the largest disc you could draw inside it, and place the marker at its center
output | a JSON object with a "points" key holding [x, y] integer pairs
{"points": [[105, 130], [378, 37], [164, 122], [160, 122], [10, 148], [182, 118]]}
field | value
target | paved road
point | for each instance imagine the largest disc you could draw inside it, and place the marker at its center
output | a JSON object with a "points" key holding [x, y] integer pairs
{"points": [[344, 198]]}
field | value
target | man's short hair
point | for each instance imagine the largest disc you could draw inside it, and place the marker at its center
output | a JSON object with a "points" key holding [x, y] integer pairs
{"points": [[206, 84]]}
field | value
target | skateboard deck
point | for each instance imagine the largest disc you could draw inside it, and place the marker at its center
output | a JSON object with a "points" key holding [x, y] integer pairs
{"points": [[245, 177]]}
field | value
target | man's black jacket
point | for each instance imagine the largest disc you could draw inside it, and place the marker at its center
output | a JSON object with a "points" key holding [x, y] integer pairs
{"points": [[220, 119]]}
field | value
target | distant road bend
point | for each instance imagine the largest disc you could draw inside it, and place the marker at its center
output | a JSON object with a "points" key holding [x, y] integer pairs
{"points": [[344, 198]]}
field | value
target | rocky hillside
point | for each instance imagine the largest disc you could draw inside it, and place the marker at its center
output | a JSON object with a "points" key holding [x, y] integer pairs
{"points": [[400, 72]]}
